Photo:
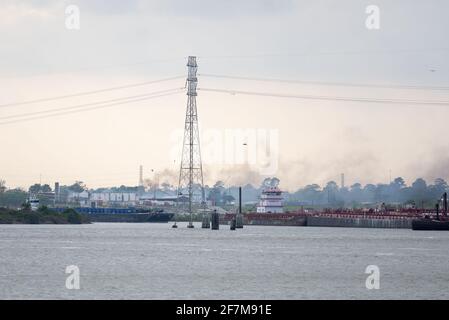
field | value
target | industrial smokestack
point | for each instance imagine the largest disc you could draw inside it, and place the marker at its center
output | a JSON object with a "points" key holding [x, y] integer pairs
{"points": [[57, 191], [140, 176]]}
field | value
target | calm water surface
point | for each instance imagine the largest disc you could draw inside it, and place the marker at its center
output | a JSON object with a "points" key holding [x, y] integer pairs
{"points": [[153, 261]]}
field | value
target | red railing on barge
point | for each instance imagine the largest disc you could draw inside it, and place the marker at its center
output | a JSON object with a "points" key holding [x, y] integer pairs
{"points": [[338, 213]]}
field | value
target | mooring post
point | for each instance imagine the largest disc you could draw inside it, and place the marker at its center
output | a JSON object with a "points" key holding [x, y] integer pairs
{"points": [[240, 200], [233, 223], [445, 203], [215, 220], [239, 215], [437, 207], [206, 221]]}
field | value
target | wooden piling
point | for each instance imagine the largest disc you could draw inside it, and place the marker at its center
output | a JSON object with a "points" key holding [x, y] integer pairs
{"points": [[233, 223], [206, 221], [215, 220], [239, 215]]}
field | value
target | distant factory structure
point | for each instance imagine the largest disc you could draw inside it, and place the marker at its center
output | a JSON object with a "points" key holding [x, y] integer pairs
{"points": [[99, 198], [112, 197], [121, 199]]}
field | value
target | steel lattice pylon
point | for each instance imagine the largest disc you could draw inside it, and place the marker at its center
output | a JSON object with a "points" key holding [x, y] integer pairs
{"points": [[191, 171]]}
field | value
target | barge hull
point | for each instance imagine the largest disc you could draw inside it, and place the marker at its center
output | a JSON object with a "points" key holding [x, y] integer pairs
{"points": [[429, 225], [135, 218], [359, 223]]}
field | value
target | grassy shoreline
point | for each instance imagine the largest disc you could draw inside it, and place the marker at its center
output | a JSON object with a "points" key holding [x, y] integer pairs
{"points": [[43, 215]]}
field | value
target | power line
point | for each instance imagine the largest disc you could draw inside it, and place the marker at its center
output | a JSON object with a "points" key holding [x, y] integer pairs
{"points": [[102, 67], [89, 92], [329, 98], [85, 104], [89, 109], [326, 53], [342, 84]]}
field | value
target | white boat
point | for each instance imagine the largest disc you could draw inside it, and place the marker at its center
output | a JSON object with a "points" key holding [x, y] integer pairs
{"points": [[271, 198], [34, 202]]}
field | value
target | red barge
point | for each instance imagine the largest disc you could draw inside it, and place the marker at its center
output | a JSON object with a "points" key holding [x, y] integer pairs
{"points": [[270, 212]]}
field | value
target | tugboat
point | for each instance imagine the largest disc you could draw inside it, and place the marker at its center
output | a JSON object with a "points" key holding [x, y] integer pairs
{"points": [[440, 223], [33, 201], [271, 197]]}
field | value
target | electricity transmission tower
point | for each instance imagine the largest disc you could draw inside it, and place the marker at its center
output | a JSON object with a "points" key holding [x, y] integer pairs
{"points": [[191, 172]]}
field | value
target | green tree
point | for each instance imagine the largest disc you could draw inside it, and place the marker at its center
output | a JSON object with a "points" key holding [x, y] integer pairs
{"points": [[330, 192], [13, 198], [45, 188], [78, 187], [228, 199], [310, 193], [441, 185], [35, 188], [399, 182], [73, 217], [419, 192], [2, 186], [31, 218], [216, 194], [26, 206]]}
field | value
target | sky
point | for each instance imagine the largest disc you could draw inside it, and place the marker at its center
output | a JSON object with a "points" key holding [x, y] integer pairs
{"points": [[325, 46]]}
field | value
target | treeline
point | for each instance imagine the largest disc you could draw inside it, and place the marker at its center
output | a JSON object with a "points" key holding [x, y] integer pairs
{"points": [[418, 194], [13, 198]]}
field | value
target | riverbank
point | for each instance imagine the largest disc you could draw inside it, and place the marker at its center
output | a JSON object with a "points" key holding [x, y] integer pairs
{"points": [[42, 216]]}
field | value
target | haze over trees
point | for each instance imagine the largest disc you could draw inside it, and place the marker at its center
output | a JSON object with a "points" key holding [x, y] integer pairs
{"points": [[38, 188], [2, 186], [418, 194], [78, 187]]}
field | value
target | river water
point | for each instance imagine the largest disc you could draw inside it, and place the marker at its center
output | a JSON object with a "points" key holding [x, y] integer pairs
{"points": [[154, 261]]}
